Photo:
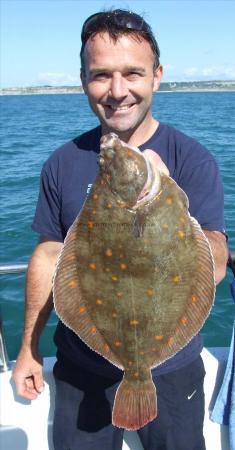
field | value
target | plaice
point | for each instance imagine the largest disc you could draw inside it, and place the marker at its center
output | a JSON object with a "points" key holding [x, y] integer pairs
{"points": [[135, 279]]}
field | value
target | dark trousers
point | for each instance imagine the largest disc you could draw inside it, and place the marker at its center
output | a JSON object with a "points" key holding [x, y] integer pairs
{"points": [[82, 418]]}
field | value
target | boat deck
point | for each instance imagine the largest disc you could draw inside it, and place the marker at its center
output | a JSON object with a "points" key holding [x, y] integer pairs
{"points": [[26, 425]]}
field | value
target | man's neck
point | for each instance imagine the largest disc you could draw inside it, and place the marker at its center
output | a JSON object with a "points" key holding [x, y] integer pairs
{"points": [[136, 137]]}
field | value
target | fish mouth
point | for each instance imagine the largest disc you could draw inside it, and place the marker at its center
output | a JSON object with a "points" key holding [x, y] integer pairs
{"points": [[152, 186]]}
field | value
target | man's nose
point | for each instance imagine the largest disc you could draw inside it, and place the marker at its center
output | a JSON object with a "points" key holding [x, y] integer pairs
{"points": [[118, 86]]}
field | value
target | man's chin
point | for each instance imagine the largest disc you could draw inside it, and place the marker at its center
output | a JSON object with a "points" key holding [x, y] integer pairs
{"points": [[117, 128]]}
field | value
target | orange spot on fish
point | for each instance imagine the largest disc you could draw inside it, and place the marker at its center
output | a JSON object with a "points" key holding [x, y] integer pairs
{"points": [[93, 330], [109, 205], [158, 337], [123, 266], [99, 301], [92, 266], [108, 252], [114, 278], [94, 212], [90, 224], [106, 348], [118, 343], [165, 226], [177, 279], [114, 314], [136, 374], [150, 292], [170, 341], [107, 269], [169, 200], [119, 294], [184, 320], [194, 299], [73, 284], [82, 310], [181, 234], [95, 196], [134, 322]]}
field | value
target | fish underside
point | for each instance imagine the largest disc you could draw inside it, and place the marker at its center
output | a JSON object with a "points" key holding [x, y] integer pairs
{"points": [[135, 279]]}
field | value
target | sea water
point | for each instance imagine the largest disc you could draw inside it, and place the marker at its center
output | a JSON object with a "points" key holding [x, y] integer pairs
{"points": [[33, 126]]}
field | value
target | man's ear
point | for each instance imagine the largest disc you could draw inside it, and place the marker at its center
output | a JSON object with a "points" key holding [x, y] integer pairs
{"points": [[83, 80], [158, 72]]}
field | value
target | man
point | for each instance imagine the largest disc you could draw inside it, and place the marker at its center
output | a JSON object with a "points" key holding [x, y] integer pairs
{"points": [[120, 70]]}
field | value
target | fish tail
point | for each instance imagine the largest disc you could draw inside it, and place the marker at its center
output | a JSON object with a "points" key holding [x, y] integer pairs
{"points": [[135, 404]]}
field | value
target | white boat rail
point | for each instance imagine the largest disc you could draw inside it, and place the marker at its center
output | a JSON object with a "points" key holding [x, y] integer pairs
{"points": [[7, 269]]}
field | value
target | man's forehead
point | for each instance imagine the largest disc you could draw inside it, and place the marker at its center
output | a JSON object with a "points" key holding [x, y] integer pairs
{"points": [[125, 40], [127, 48]]}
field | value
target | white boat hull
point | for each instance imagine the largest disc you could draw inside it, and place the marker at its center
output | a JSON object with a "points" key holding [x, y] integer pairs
{"points": [[28, 425]]}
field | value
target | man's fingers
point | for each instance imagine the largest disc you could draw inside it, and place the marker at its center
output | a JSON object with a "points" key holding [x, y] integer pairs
{"points": [[29, 386], [28, 374], [24, 388]]}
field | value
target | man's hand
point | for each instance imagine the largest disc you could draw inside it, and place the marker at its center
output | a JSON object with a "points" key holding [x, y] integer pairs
{"points": [[27, 374]]}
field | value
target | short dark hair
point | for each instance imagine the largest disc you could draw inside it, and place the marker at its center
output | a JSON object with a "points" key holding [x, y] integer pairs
{"points": [[118, 22]]}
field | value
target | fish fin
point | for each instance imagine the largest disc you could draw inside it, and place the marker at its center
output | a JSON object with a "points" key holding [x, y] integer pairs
{"points": [[69, 303], [135, 404], [201, 297]]}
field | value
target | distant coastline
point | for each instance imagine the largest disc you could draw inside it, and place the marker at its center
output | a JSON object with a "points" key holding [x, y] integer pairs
{"points": [[178, 86]]}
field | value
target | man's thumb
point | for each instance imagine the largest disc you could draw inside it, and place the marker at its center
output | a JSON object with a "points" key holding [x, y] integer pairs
{"points": [[38, 382]]}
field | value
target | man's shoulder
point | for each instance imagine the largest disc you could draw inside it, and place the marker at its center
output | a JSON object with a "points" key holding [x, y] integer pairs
{"points": [[182, 148], [70, 150], [182, 140], [90, 140]]}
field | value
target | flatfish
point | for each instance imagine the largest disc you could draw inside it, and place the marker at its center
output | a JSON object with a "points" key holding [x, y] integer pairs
{"points": [[135, 279]]}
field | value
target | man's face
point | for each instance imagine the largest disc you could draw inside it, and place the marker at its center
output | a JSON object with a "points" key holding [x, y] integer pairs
{"points": [[119, 81]]}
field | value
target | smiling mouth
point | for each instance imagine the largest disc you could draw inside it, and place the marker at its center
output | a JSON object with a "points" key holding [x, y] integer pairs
{"points": [[120, 107]]}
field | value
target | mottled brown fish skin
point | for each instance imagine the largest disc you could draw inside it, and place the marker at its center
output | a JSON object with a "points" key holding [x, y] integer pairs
{"points": [[135, 279]]}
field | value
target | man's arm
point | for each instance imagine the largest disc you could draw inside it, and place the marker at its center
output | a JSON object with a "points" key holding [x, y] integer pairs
{"points": [[219, 250], [27, 372]]}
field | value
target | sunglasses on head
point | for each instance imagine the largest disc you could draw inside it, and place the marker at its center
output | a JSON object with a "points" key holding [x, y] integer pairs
{"points": [[122, 21]]}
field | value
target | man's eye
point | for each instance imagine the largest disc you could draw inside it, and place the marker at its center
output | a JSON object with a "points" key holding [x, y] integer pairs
{"points": [[133, 75], [100, 76]]}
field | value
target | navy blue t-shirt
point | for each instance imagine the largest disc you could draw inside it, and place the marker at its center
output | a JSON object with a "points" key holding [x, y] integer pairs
{"points": [[66, 179]]}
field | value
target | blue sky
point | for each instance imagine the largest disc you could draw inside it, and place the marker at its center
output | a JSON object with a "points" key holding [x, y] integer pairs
{"points": [[40, 39]]}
